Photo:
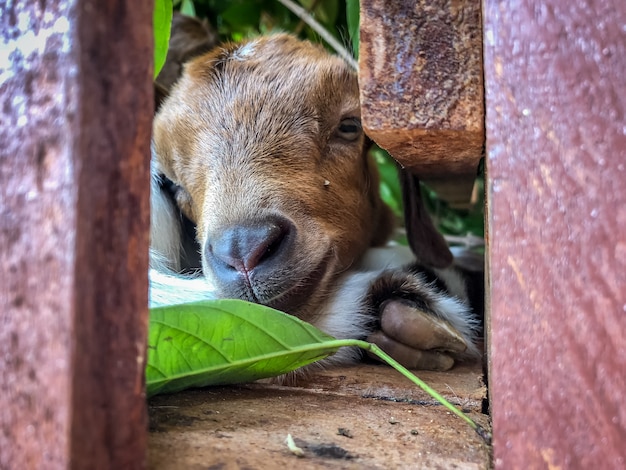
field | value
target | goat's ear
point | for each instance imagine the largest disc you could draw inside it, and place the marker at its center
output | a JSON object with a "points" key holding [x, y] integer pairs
{"points": [[160, 93], [384, 220], [425, 241], [189, 38]]}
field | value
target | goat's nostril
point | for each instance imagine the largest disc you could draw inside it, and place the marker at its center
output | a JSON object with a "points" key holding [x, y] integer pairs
{"points": [[246, 246], [273, 246]]}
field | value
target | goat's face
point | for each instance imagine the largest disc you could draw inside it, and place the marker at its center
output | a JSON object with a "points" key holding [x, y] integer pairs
{"points": [[264, 143]]}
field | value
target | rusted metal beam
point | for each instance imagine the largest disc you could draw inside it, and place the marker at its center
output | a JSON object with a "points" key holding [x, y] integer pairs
{"points": [[75, 114], [556, 147], [421, 80]]}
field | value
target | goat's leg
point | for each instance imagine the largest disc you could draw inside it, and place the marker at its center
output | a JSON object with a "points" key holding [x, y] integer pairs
{"points": [[421, 323]]}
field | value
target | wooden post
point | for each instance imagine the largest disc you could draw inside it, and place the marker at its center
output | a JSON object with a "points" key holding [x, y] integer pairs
{"points": [[75, 114], [556, 161], [421, 81]]}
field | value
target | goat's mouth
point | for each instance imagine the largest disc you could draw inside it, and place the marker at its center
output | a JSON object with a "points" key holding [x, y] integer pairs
{"points": [[298, 293], [288, 289], [269, 260]]}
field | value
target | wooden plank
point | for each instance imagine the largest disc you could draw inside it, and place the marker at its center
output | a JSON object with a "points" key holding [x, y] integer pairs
{"points": [[421, 82], [555, 81], [390, 422], [75, 88]]}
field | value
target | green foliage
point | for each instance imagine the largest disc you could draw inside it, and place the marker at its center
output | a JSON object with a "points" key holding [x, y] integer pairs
{"points": [[226, 342], [390, 190], [162, 22], [352, 18], [460, 222], [450, 221], [239, 19], [187, 7]]}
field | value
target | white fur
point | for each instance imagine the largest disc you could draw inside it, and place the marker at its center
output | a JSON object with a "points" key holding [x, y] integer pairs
{"points": [[388, 257], [165, 230], [340, 316], [244, 52], [170, 288]]}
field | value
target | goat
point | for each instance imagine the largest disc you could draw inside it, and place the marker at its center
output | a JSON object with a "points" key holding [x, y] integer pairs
{"points": [[262, 182]]}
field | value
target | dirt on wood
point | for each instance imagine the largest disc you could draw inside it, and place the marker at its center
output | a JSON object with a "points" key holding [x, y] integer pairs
{"points": [[366, 417]]}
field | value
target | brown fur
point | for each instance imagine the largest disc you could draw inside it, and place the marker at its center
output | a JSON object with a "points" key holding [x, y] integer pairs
{"points": [[248, 133]]}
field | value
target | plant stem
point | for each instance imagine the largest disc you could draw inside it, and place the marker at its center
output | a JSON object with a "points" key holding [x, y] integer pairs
{"points": [[319, 29], [484, 434]]}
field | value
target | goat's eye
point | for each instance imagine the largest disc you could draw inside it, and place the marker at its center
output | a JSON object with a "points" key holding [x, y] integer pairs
{"points": [[181, 196], [349, 129]]}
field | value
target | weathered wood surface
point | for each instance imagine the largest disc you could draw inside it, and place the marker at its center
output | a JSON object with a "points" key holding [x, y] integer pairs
{"points": [[421, 81], [556, 147], [391, 424], [75, 116]]}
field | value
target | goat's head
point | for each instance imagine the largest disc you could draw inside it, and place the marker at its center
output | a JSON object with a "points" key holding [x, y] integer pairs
{"points": [[264, 144]]}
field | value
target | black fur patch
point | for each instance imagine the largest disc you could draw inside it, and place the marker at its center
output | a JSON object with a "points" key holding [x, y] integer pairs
{"points": [[429, 277], [404, 285], [190, 254]]}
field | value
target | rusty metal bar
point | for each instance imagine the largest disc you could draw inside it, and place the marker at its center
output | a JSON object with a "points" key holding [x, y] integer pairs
{"points": [[75, 89], [421, 80], [555, 77]]}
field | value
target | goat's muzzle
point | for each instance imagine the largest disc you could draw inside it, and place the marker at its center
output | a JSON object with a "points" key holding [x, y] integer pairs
{"points": [[252, 261]]}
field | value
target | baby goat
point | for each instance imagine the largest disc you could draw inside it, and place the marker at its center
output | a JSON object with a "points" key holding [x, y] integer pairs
{"points": [[262, 181]]}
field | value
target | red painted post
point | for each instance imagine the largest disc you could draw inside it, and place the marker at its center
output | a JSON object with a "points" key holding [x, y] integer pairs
{"points": [[75, 120], [555, 78]]}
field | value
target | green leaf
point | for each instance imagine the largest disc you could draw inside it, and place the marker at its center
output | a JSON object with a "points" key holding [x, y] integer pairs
{"points": [[353, 19], [227, 341], [390, 189], [162, 23], [232, 341], [187, 8]]}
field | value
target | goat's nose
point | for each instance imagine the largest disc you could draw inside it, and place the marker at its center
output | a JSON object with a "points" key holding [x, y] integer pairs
{"points": [[246, 246]]}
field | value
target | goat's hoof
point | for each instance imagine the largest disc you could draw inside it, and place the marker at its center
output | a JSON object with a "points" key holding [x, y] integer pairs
{"points": [[417, 339]]}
